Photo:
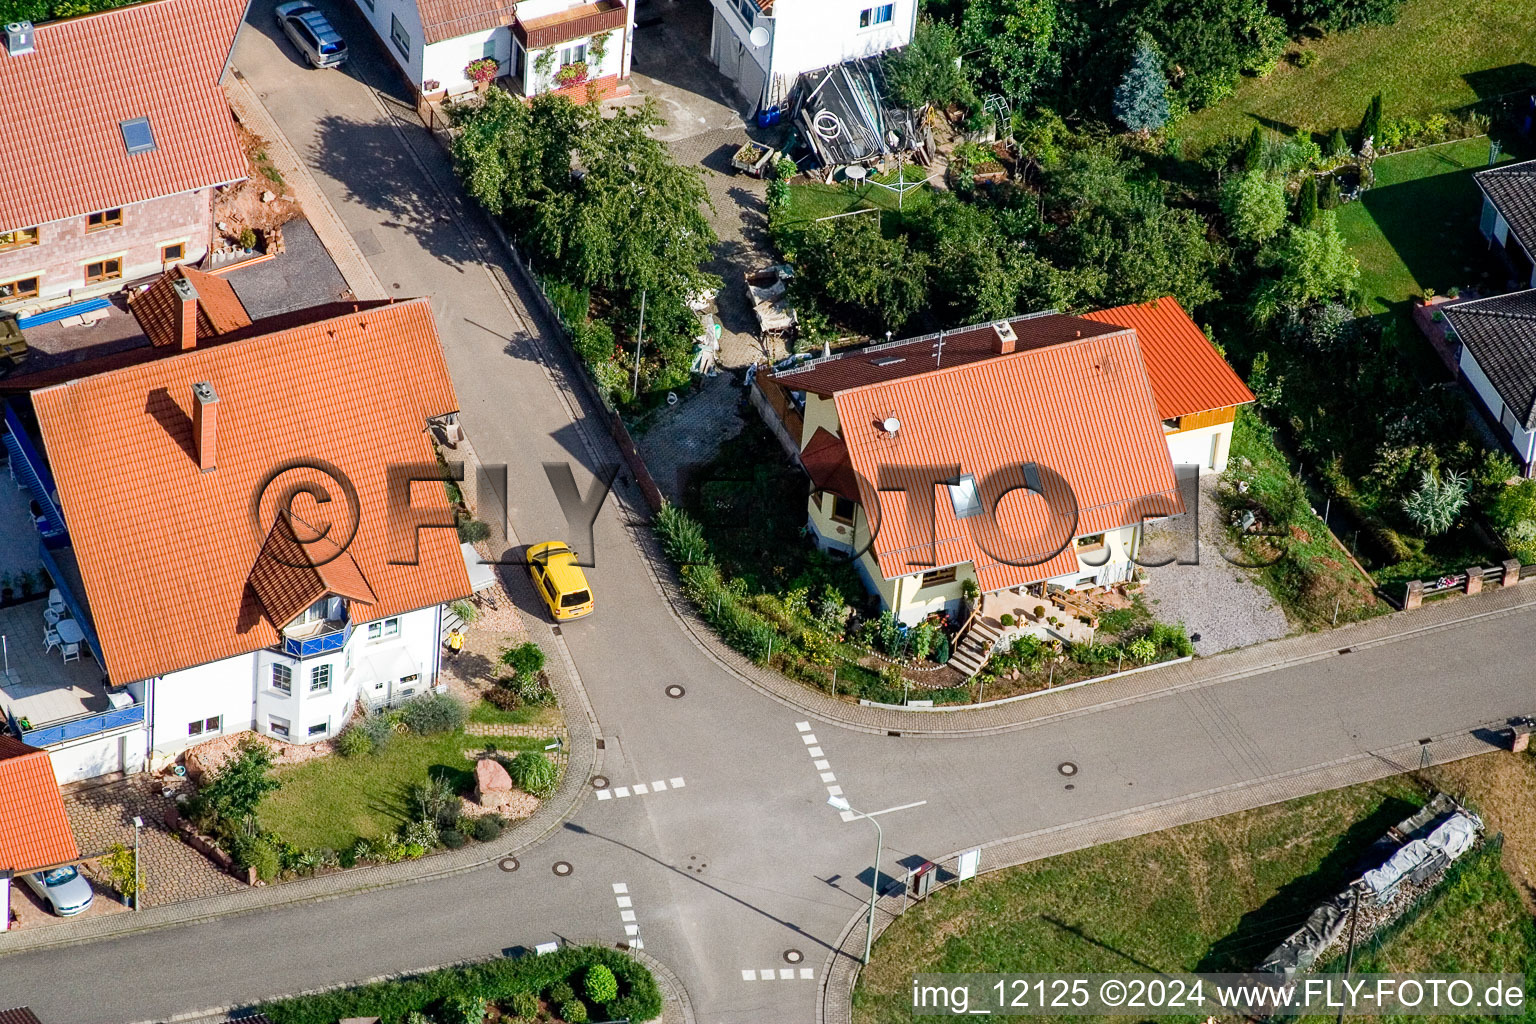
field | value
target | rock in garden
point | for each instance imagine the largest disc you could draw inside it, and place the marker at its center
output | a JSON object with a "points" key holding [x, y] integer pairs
{"points": [[491, 780], [267, 195]]}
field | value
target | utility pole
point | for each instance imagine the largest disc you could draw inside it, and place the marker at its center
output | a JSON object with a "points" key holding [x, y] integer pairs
{"points": [[639, 340]]}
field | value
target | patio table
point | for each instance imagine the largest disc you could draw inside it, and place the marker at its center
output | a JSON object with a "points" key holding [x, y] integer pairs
{"points": [[70, 631]]}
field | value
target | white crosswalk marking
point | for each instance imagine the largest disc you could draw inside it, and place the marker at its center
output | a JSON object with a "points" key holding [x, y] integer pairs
{"points": [[677, 783], [603, 794], [803, 726]]}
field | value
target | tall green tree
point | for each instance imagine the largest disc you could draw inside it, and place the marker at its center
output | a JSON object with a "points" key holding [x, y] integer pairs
{"points": [[927, 70], [1141, 98], [1370, 124], [1254, 206], [1313, 265], [239, 786], [866, 280], [1012, 41], [1253, 150], [1306, 201]]}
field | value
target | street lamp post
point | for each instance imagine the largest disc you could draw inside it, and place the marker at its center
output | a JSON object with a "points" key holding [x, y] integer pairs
{"points": [[138, 895], [841, 803]]}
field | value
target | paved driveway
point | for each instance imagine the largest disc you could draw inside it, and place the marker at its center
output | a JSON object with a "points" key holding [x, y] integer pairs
{"points": [[736, 858]]}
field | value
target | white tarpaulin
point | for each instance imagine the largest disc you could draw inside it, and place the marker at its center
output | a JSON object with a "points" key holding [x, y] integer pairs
{"points": [[481, 573], [1451, 840]]}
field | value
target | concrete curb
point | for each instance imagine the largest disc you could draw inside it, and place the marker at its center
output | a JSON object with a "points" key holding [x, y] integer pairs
{"points": [[841, 971]]}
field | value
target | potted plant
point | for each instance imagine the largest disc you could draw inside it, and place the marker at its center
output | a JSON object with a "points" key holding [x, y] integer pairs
{"points": [[431, 85], [482, 72], [27, 583], [5, 587]]}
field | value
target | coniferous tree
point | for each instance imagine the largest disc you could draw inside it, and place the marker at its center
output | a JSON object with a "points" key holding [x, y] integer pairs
{"points": [[1306, 201], [1370, 124], [1141, 99], [1253, 151]]}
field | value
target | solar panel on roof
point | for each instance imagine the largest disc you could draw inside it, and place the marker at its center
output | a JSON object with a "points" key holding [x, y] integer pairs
{"points": [[138, 136]]}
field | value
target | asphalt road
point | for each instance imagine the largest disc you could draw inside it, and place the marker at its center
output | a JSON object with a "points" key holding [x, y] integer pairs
{"points": [[745, 860]]}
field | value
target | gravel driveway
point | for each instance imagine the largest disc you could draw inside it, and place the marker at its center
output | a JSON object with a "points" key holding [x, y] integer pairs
{"points": [[1221, 605]]}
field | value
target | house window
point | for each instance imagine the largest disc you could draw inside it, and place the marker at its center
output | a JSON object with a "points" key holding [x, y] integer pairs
{"points": [[965, 497], [173, 253], [1171, 425], [488, 51], [399, 36], [195, 728], [1090, 543], [277, 726], [383, 629], [937, 578], [103, 270], [842, 510], [282, 679], [748, 11], [320, 729], [23, 288], [314, 613], [320, 679], [573, 54], [17, 239], [138, 136], [876, 15], [104, 219], [203, 725]]}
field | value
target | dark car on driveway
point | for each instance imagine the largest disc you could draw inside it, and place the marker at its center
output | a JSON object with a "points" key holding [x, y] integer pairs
{"points": [[307, 29]]}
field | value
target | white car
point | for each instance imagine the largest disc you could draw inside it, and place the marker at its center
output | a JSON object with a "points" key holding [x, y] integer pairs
{"points": [[65, 890]]}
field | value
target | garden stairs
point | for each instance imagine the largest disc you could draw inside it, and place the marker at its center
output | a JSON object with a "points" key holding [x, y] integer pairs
{"points": [[975, 649]]}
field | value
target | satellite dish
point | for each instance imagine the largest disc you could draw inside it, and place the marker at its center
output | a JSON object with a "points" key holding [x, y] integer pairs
{"points": [[891, 424], [758, 36], [855, 172]]}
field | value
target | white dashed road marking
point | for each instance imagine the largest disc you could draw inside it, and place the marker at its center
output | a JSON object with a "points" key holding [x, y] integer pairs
{"points": [[803, 726], [627, 915], [778, 974]]}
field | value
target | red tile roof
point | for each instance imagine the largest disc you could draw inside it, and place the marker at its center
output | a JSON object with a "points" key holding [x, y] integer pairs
{"points": [[825, 459], [158, 309], [1081, 412], [289, 576], [34, 830], [166, 551], [449, 19], [1188, 375], [64, 151]]}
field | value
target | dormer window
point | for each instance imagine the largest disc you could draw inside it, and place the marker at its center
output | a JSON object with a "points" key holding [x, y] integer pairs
{"points": [[315, 612]]}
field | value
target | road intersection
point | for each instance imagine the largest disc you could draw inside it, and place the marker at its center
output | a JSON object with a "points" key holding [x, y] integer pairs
{"points": [[721, 853]]}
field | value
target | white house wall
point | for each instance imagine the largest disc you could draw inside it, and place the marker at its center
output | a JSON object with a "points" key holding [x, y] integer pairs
{"points": [[99, 755], [378, 16], [220, 689], [444, 62], [1193, 447], [811, 34], [1521, 438]]}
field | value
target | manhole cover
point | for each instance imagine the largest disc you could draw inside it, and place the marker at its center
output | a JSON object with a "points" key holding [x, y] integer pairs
{"points": [[1067, 768], [599, 782], [674, 691], [793, 956], [563, 868], [508, 864]]}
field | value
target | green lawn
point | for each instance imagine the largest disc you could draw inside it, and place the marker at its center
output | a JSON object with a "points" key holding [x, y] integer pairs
{"points": [[333, 801], [1417, 228], [1212, 896], [811, 202], [483, 712], [1438, 55]]}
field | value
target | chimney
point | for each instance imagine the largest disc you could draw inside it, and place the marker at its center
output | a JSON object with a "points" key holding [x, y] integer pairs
{"points": [[186, 292], [1004, 340], [205, 424], [19, 38]]}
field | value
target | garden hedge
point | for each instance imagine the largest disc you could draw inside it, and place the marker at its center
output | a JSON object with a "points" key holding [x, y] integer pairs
{"points": [[493, 980]]}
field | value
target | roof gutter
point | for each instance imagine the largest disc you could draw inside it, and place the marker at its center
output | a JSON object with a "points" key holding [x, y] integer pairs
{"points": [[230, 54]]}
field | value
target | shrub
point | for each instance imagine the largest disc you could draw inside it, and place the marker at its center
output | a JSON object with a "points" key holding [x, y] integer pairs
{"points": [[502, 696], [257, 853], [600, 985], [1437, 502], [239, 786], [419, 833], [353, 742], [525, 659], [560, 993], [364, 849], [434, 800], [465, 610], [573, 1011], [888, 634], [534, 772], [247, 238], [433, 713], [523, 1004], [1172, 639], [1142, 649], [941, 649], [1006, 619], [465, 826], [378, 729], [487, 828], [473, 530], [681, 535], [453, 839], [922, 637], [464, 1009]]}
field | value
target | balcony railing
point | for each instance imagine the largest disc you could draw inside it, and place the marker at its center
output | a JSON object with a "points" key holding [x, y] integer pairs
{"points": [[80, 727], [333, 640]]}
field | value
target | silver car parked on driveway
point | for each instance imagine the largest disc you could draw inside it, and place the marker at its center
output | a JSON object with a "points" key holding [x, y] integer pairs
{"points": [[307, 28], [64, 890]]}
